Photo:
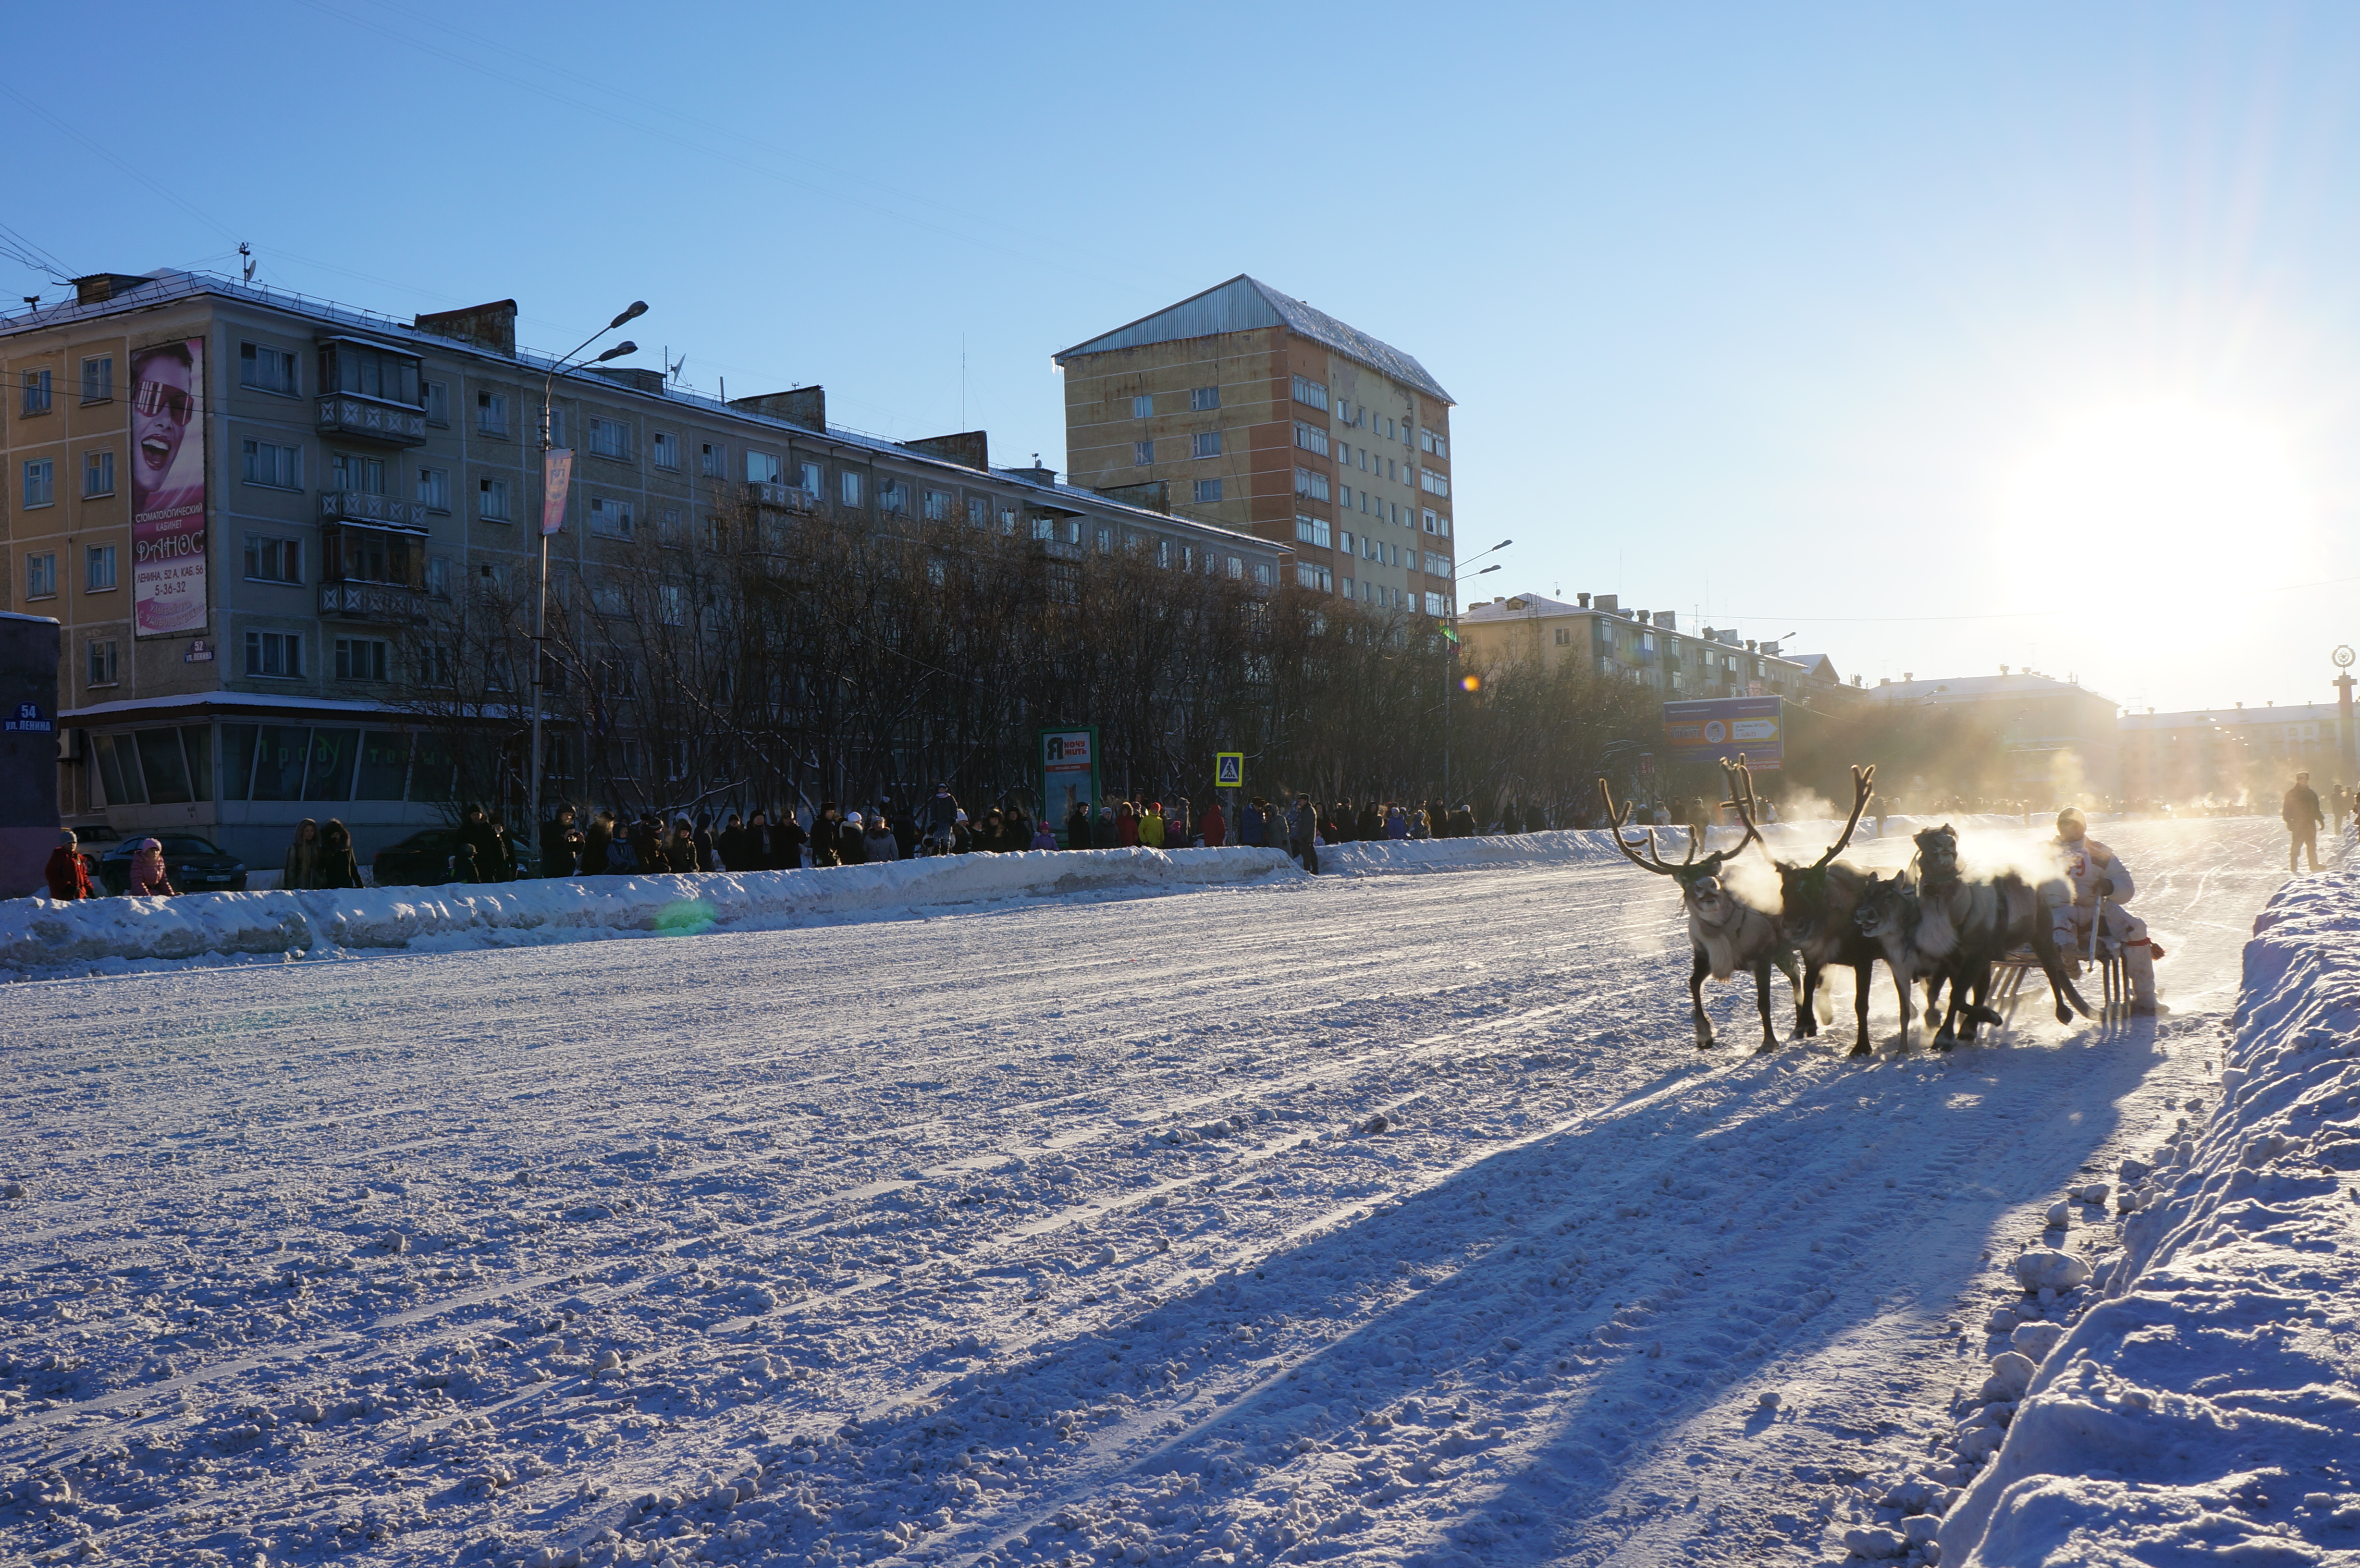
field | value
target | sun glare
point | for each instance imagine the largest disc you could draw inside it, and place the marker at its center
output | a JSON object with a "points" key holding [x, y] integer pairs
{"points": [[2162, 489]]}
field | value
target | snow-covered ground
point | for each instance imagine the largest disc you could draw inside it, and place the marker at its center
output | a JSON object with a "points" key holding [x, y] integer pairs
{"points": [[1382, 1217]]}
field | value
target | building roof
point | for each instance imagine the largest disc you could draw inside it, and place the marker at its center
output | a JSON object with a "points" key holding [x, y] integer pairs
{"points": [[1522, 604], [166, 286], [1816, 664], [1244, 303], [1981, 688], [2292, 714]]}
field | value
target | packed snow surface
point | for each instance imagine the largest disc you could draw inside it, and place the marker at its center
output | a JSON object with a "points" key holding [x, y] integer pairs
{"points": [[1377, 1218]]}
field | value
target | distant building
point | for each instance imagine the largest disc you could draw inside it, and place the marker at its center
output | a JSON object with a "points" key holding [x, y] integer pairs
{"points": [[1641, 646], [2226, 754], [2057, 736], [1255, 412]]}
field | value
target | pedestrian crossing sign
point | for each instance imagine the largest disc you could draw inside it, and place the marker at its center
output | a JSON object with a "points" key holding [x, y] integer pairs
{"points": [[1229, 769]]}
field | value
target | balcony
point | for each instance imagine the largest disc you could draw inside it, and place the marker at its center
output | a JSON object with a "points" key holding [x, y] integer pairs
{"points": [[358, 418], [360, 507], [371, 602], [781, 498]]}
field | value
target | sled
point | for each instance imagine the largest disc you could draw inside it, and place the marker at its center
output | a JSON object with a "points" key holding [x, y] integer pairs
{"points": [[2009, 972]]}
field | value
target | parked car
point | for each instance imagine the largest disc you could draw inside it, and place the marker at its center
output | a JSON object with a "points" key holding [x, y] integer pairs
{"points": [[193, 864], [422, 860]]}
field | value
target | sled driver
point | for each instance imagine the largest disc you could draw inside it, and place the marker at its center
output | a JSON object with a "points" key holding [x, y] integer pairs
{"points": [[2092, 872], [943, 813]]}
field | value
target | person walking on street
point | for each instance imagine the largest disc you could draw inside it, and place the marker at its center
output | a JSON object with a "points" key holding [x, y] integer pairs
{"points": [[561, 845], [2303, 819], [1302, 830], [338, 867], [302, 868], [69, 876]]}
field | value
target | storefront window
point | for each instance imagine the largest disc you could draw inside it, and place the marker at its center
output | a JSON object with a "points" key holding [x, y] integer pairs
{"points": [[278, 763], [122, 782], [161, 766], [197, 740], [331, 778], [383, 765], [237, 760]]}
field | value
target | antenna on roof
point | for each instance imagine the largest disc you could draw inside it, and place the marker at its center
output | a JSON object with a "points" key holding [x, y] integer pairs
{"points": [[247, 251]]}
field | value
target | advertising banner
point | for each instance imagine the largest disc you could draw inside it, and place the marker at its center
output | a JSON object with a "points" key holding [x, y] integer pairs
{"points": [[1069, 772], [556, 480], [167, 489], [1727, 728]]}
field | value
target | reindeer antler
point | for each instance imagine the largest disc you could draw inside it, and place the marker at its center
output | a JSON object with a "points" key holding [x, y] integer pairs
{"points": [[1741, 796], [1863, 785], [1655, 861]]}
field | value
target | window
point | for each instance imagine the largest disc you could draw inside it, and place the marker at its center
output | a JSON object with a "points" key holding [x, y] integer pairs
{"points": [[1310, 529], [849, 488], [708, 460], [1142, 453], [1439, 483], [270, 560], [434, 489], [664, 450], [98, 568], [40, 483], [353, 471], [101, 664], [492, 576], [438, 404], [553, 420], [97, 473], [979, 512], [492, 500], [363, 658], [1207, 444], [98, 379], [266, 369], [1201, 398], [1317, 577], [610, 519], [1565, 636], [371, 555], [1442, 523], [278, 655], [1237, 568], [893, 497], [672, 603], [492, 413], [1008, 521], [438, 576], [1346, 589], [271, 465], [1312, 485], [670, 532], [1310, 392], [608, 599], [1143, 406], [37, 392], [807, 479], [1426, 441], [938, 506], [609, 438], [1208, 491], [1435, 605], [369, 372], [1311, 438], [41, 576], [1262, 572], [1044, 528], [1344, 541], [1442, 447]]}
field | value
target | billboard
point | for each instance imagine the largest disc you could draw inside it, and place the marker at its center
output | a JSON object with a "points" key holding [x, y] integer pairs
{"points": [[1069, 773], [1727, 728], [167, 489]]}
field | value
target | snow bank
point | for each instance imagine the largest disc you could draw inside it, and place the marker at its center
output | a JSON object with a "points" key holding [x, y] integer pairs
{"points": [[2207, 1404], [39, 935], [1586, 846]]}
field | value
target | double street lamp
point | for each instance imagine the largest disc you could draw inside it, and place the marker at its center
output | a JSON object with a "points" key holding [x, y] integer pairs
{"points": [[556, 478]]}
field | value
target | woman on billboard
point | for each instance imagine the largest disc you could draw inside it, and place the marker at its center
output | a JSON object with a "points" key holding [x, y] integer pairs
{"points": [[168, 488]]}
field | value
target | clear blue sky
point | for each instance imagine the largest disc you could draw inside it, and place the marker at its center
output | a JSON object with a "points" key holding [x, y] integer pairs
{"points": [[1850, 322]]}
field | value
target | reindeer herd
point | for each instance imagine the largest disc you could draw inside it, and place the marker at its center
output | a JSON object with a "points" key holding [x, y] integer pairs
{"points": [[1938, 926]]}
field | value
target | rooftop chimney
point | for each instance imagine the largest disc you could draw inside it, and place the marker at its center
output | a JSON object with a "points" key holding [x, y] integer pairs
{"points": [[1644, 616], [1610, 603], [1884, 680], [1664, 619], [969, 449], [100, 286], [2002, 669], [491, 326], [1908, 675], [805, 406], [1583, 599]]}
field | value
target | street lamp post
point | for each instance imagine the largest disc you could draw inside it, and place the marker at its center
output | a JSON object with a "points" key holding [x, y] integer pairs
{"points": [[553, 516], [1450, 662]]}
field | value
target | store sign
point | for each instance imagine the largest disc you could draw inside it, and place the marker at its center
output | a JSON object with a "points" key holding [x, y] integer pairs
{"points": [[1727, 728]]}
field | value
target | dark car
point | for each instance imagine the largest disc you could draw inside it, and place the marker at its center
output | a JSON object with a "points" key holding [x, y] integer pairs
{"points": [[422, 860], [193, 864]]}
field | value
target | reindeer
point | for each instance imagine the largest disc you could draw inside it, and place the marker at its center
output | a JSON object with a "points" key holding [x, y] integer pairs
{"points": [[1969, 925], [1816, 905], [1891, 916], [1725, 934]]}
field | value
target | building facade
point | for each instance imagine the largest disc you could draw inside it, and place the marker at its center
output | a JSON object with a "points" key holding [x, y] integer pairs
{"points": [[2059, 738], [1260, 414], [236, 500], [1640, 646], [2227, 755]]}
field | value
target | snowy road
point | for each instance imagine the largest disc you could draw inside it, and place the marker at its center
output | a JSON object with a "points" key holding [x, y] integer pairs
{"points": [[1045, 1232]]}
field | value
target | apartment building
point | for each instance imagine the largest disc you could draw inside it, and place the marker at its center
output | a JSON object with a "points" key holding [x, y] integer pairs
{"points": [[2058, 737], [1641, 646], [1259, 414], [236, 500], [2225, 755]]}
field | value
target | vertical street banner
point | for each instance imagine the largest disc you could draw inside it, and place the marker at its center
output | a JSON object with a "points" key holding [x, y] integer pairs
{"points": [[167, 489], [556, 479], [1069, 772], [1728, 729]]}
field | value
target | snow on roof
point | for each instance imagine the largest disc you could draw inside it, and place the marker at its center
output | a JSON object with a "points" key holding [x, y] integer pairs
{"points": [[1244, 303], [1523, 605], [1974, 688]]}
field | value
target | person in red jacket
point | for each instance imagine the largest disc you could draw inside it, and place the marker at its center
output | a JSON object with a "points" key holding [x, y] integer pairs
{"points": [[1213, 825], [69, 873]]}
